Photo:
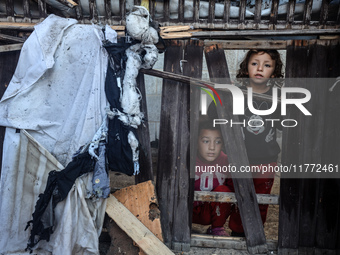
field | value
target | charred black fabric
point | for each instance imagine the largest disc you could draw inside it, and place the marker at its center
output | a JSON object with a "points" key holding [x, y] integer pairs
{"points": [[118, 150], [58, 186]]}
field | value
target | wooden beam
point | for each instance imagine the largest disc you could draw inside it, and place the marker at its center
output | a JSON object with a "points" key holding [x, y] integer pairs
{"points": [[236, 243], [141, 201], [118, 28], [257, 13], [11, 47], [143, 237], [237, 156], [17, 26], [12, 38], [167, 29], [241, 45], [195, 82], [219, 34], [274, 14], [229, 197], [9, 8], [68, 3]]}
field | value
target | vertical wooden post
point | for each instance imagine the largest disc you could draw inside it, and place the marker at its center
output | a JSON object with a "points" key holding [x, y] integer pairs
{"points": [[328, 224], [290, 188], [237, 155], [9, 8], [170, 142], [145, 159], [312, 139], [274, 14], [174, 185], [192, 67], [311, 204], [42, 9]]}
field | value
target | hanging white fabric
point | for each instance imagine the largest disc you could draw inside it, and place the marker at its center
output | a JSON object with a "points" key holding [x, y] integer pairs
{"points": [[57, 95]]}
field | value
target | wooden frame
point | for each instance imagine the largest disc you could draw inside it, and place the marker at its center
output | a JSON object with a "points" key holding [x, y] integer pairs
{"points": [[275, 22], [289, 185]]}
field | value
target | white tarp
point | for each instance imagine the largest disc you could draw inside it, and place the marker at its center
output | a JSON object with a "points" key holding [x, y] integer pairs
{"points": [[57, 95]]}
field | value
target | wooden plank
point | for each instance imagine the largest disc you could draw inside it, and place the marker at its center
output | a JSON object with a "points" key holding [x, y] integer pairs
{"points": [[11, 38], [42, 8], [221, 34], [93, 10], [230, 197], [142, 202], [211, 12], [170, 142], [290, 13], [192, 67], [194, 56], [219, 71], [257, 13], [328, 223], [274, 13], [176, 35], [174, 183], [122, 6], [307, 13], [196, 11], [290, 189], [234, 243], [145, 157], [27, 11], [143, 237], [312, 141], [242, 45], [196, 82], [328, 211], [236, 151], [324, 12], [119, 28], [79, 10], [166, 11], [242, 14], [11, 47], [226, 14], [181, 11], [10, 8], [167, 29], [68, 3], [108, 12], [17, 25]]}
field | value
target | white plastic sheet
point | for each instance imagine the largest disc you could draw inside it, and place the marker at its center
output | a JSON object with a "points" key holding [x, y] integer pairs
{"points": [[57, 95]]}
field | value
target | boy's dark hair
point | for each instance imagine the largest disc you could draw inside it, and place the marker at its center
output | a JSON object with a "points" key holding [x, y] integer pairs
{"points": [[207, 124], [274, 54]]}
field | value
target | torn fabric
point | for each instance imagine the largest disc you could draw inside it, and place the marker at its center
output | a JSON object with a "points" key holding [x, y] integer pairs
{"points": [[57, 94]]}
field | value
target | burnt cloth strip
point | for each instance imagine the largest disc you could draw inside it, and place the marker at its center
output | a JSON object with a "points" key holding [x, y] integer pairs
{"points": [[59, 183], [118, 149]]}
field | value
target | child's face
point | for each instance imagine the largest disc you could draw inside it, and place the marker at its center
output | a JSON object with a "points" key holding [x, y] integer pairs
{"points": [[260, 68], [209, 144]]}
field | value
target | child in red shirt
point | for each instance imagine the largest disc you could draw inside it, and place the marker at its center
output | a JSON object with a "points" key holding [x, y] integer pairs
{"points": [[211, 175]]}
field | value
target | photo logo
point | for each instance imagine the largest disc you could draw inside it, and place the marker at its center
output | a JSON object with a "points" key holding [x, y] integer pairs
{"points": [[211, 95], [239, 105]]}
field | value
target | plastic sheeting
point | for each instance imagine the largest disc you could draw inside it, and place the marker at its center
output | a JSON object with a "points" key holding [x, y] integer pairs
{"points": [[57, 95]]}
